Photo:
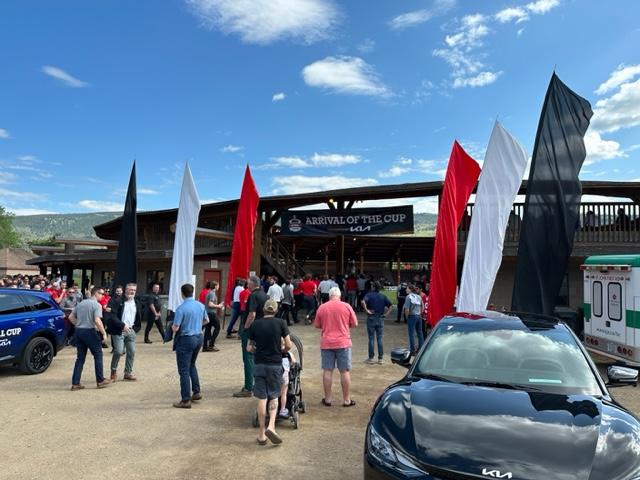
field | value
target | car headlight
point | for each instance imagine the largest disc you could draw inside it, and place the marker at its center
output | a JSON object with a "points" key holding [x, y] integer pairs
{"points": [[390, 457]]}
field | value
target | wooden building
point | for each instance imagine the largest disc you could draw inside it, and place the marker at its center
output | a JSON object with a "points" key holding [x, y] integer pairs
{"points": [[387, 255]]}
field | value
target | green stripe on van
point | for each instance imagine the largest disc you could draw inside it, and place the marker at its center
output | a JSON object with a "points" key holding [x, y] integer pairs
{"points": [[633, 319], [587, 310], [633, 260]]}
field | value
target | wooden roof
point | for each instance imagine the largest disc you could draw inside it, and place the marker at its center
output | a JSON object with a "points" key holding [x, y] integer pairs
{"points": [[347, 196]]}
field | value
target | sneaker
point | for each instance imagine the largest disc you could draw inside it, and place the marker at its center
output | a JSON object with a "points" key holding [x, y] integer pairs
{"points": [[380, 361], [77, 387], [146, 340], [104, 383], [369, 361], [130, 377], [214, 349], [196, 396], [230, 335], [284, 413], [243, 393], [181, 404], [114, 376]]}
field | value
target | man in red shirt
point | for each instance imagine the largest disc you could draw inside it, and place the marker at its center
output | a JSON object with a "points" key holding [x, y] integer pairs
{"points": [[204, 292], [335, 318], [309, 288]]}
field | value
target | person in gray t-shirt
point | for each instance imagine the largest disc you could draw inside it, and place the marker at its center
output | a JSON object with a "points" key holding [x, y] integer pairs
{"points": [[212, 307], [87, 318]]}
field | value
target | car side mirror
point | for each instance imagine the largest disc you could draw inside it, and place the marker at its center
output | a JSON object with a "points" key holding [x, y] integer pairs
{"points": [[401, 356], [621, 376]]}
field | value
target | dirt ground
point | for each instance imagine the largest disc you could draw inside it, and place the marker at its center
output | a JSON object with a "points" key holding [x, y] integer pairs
{"points": [[131, 431]]}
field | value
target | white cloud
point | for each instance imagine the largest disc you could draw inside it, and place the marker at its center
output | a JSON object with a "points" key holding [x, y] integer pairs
{"points": [[64, 77], [147, 191], [212, 200], [420, 204], [266, 21], [99, 206], [473, 29], [405, 161], [599, 149], [278, 97], [622, 74], [7, 177], [394, 171], [231, 149], [304, 184], [334, 160], [19, 212], [347, 75], [367, 46], [4, 133], [293, 162], [27, 158], [23, 196], [541, 7], [480, 80], [621, 110], [417, 17], [512, 13]]}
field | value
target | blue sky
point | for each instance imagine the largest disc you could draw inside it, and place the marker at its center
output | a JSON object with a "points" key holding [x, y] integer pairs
{"points": [[313, 94]]}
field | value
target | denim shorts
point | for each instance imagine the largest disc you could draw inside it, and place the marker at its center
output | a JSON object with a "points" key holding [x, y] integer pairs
{"points": [[267, 381], [340, 357]]}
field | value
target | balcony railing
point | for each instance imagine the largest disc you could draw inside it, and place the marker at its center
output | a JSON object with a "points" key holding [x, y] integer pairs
{"points": [[604, 222]]}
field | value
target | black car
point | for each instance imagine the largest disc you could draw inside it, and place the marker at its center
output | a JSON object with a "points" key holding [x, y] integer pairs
{"points": [[497, 396], [32, 329]]}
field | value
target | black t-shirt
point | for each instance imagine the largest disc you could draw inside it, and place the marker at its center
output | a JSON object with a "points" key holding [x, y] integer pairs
{"points": [[267, 333], [256, 302]]}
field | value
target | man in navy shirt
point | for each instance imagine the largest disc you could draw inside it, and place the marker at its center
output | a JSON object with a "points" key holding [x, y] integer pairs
{"points": [[187, 325], [377, 306]]}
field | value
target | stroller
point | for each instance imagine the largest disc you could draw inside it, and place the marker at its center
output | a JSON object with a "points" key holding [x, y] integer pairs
{"points": [[294, 403]]}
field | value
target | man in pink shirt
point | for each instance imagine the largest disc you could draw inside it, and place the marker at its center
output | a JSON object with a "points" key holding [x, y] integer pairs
{"points": [[335, 318]]}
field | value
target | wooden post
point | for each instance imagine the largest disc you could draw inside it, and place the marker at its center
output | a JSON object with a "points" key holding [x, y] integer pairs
{"points": [[340, 255], [361, 260], [326, 259], [256, 257], [398, 270]]}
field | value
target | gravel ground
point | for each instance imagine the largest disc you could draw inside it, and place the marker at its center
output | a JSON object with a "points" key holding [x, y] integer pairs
{"points": [[131, 431]]}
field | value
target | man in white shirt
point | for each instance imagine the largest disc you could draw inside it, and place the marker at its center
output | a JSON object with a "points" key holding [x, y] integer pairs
{"points": [[235, 306], [123, 335], [275, 291], [325, 285]]}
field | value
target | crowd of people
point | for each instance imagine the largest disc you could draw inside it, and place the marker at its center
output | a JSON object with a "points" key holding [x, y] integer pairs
{"points": [[262, 311]]}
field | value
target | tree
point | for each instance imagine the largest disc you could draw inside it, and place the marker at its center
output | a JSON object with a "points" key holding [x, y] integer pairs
{"points": [[8, 235]]}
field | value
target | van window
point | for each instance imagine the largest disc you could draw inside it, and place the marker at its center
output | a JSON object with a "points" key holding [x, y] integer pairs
{"points": [[11, 304], [596, 299], [615, 301]]}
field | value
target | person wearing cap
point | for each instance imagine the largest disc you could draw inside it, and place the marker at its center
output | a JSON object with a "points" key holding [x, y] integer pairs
{"points": [[266, 338]]}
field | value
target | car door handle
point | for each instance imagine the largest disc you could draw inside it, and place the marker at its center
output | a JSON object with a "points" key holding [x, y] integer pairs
{"points": [[28, 321]]}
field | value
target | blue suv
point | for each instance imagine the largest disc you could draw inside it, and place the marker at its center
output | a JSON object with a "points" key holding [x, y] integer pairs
{"points": [[32, 329]]}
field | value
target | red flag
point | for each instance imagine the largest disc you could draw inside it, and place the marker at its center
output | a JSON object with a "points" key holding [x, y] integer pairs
{"points": [[462, 175], [243, 234]]}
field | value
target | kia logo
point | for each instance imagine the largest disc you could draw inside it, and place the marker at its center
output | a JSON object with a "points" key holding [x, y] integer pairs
{"points": [[496, 473]]}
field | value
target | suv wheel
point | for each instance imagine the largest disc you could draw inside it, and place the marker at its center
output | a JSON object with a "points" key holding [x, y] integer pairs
{"points": [[37, 356]]}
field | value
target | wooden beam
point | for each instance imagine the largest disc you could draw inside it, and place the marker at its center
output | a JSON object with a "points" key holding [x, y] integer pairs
{"points": [[208, 233], [273, 218], [87, 242], [331, 206], [350, 204]]}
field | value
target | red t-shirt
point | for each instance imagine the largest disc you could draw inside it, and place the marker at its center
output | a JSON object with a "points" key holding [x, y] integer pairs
{"points": [[202, 297], [352, 284], [244, 297], [104, 301], [335, 318], [308, 288]]}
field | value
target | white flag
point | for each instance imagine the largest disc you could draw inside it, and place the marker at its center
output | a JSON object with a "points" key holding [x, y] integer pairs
{"points": [[184, 242], [504, 166]]}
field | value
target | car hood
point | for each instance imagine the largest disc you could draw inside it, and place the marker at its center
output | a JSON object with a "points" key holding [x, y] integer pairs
{"points": [[483, 432]]}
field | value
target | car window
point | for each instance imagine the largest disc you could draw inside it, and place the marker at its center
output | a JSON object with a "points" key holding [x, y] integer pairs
{"points": [[10, 304], [36, 303], [547, 359]]}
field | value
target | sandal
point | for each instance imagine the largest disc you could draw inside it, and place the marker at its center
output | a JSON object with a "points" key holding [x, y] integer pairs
{"points": [[325, 403], [350, 404], [273, 437], [261, 442]]}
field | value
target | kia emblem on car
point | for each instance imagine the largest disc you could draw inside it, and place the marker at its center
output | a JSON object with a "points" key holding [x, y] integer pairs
{"points": [[496, 473]]}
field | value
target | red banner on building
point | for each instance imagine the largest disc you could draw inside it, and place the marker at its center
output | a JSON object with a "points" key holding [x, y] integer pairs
{"points": [[243, 234], [462, 175]]}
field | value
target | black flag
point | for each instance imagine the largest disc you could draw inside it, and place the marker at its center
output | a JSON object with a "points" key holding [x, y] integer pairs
{"points": [[553, 200], [127, 262]]}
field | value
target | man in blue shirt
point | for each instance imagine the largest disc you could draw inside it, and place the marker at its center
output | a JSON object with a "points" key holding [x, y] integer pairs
{"points": [[187, 325], [377, 306]]}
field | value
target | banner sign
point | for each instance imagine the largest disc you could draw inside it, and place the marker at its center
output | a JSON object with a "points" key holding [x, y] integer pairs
{"points": [[358, 221]]}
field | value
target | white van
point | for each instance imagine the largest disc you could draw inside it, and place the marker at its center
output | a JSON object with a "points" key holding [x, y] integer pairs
{"points": [[612, 306]]}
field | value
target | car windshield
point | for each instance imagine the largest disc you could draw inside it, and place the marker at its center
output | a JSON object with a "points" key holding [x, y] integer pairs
{"points": [[508, 354]]}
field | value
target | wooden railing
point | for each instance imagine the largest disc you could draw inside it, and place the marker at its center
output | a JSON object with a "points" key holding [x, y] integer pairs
{"points": [[280, 257], [605, 222]]}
